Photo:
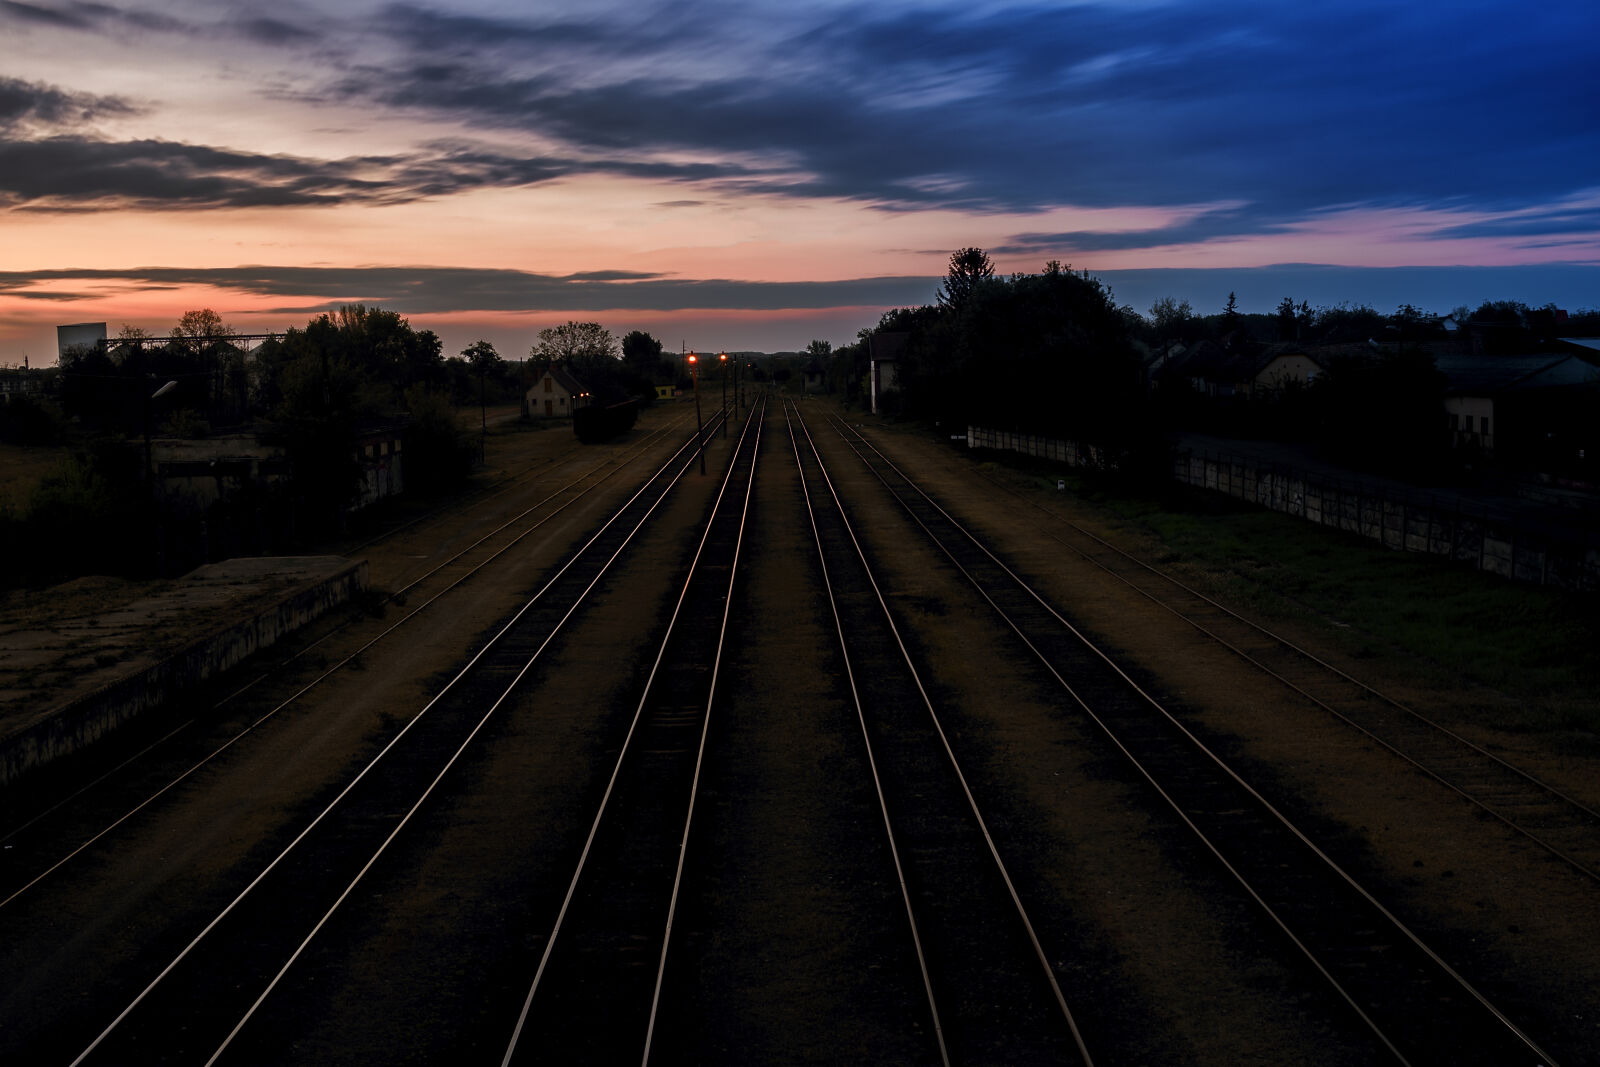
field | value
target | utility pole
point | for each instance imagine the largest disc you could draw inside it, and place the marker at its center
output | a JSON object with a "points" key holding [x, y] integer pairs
{"points": [[699, 427]]}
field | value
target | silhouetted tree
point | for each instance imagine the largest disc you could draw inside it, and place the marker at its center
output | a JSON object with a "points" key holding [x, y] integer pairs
{"points": [[1171, 320], [1293, 319], [1342, 324], [575, 339], [642, 352], [1049, 353], [969, 268]]}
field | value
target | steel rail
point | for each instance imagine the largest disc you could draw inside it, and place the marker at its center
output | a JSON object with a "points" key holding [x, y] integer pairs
{"points": [[758, 416], [955, 766], [1577, 808], [684, 458], [846, 433], [622, 760], [14, 831], [872, 759], [309, 686]]}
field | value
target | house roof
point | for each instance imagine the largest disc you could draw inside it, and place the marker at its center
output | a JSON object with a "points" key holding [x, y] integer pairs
{"points": [[1216, 363], [565, 380], [1590, 346], [1493, 374]]}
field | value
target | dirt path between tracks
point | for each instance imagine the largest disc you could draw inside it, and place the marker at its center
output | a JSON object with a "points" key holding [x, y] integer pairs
{"points": [[1520, 925]]}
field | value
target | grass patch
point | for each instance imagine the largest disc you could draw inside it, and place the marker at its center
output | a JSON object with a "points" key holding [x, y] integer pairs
{"points": [[1450, 622], [22, 468]]}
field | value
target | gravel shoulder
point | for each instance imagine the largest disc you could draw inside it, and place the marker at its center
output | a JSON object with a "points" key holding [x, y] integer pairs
{"points": [[1520, 925]]}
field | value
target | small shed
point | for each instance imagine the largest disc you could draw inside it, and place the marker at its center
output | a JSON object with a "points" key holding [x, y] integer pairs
{"points": [[1481, 392], [884, 352], [555, 394]]}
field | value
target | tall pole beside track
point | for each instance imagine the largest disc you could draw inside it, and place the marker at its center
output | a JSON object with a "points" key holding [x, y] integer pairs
{"points": [[699, 427]]}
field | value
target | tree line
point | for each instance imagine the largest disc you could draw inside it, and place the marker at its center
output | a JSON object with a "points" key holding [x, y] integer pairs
{"points": [[1055, 354], [308, 393]]}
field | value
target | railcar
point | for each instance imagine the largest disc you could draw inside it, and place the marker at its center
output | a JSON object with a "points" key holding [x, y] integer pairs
{"points": [[603, 422]]}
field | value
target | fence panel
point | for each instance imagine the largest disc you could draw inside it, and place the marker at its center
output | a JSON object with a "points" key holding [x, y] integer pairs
{"points": [[1524, 551]]}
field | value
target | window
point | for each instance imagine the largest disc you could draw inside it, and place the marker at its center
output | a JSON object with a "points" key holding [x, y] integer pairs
{"points": [[1483, 425], [549, 384]]}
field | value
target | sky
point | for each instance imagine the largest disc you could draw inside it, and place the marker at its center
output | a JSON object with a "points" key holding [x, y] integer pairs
{"points": [[754, 175]]}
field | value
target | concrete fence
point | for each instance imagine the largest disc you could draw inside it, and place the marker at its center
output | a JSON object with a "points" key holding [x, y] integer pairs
{"points": [[61, 730], [1499, 541]]}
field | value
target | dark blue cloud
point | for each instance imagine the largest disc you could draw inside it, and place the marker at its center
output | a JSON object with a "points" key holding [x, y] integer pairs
{"points": [[1290, 107], [424, 290], [1284, 108], [28, 105], [73, 172], [429, 290], [87, 17], [1231, 222]]}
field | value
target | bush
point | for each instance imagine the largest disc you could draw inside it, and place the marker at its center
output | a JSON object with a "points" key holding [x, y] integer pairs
{"points": [[438, 452], [29, 421]]}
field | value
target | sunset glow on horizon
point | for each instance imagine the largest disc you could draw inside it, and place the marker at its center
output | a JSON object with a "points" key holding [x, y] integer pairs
{"points": [[739, 176]]}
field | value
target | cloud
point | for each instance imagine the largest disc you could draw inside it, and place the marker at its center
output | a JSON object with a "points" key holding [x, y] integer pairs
{"points": [[27, 106], [68, 173], [272, 31], [424, 291], [1282, 109], [437, 290], [1289, 107], [86, 17], [1197, 228]]}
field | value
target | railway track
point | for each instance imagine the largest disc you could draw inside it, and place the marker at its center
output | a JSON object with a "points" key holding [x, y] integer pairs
{"points": [[205, 985], [990, 985], [595, 993], [1565, 826], [1413, 1004], [534, 844], [28, 860]]}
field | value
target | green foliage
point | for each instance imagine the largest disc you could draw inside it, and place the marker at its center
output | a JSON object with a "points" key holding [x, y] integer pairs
{"points": [[1383, 413], [325, 382], [28, 420], [438, 451], [483, 357], [575, 340], [1293, 319], [91, 510], [969, 268], [1172, 320], [1343, 324], [1048, 353], [642, 352], [1529, 642], [647, 364]]}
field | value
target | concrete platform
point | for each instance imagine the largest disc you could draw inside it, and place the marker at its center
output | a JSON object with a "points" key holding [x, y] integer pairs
{"points": [[80, 659]]}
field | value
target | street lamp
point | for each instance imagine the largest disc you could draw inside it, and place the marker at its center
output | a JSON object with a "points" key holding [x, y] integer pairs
{"points": [[724, 358], [694, 378], [157, 395]]}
